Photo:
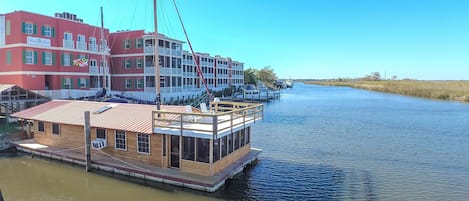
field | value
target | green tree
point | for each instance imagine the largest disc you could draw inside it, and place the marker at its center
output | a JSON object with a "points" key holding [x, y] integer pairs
{"points": [[250, 76], [267, 76]]}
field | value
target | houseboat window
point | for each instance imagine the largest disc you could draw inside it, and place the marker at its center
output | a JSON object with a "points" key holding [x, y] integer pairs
{"points": [[248, 135], [230, 143], [188, 148], [216, 150], [223, 146], [202, 150], [40, 126], [164, 144], [101, 133], [120, 142], [236, 139], [55, 129], [242, 138], [143, 143]]}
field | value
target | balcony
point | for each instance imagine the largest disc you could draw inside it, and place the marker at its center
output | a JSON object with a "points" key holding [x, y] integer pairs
{"points": [[81, 46], [224, 118], [93, 47], [94, 70], [68, 44]]}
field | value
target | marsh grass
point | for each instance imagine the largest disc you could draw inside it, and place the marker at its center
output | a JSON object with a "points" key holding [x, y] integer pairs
{"points": [[444, 90]]}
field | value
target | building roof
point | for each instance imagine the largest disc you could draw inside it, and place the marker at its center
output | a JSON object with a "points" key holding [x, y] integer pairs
{"points": [[122, 116], [4, 87]]}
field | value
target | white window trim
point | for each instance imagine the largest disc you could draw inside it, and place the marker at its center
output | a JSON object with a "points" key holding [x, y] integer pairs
{"points": [[93, 61], [149, 144], [126, 83], [68, 83], [29, 56], [140, 81], [115, 141], [28, 30], [82, 83], [67, 62], [127, 43], [47, 31], [48, 58]]}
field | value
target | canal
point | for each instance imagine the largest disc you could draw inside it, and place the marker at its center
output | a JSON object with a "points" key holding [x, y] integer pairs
{"points": [[319, 143]]}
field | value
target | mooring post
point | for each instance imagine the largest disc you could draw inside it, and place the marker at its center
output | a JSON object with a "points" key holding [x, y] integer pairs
{"points": [[87, 141]]}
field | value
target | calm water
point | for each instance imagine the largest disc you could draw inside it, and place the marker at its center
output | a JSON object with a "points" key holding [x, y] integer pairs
{"points": [[320, 143]]}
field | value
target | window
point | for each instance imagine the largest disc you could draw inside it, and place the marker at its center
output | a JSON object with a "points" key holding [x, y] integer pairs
{"points": [[68, 36], [138, 43], [163, 137], [127, 44], [82, 82], [203, 150], [47, 58], [248, 135], [93, 63], [55, 129], [143, 143], [120, 140], [236, 140], [127, 63], [139, 63], [242, 138], [81, 42], [93, 46], [224, 143], [230, 143], [101, 133], [40, 126], [66, 61], [29, 57], [160, 43], [128, 83], [68, 40], [140, 83], [166, 44], [46, 31], [216, 150], [188, 148], [8, 57], [28, 28], [67, 83]]}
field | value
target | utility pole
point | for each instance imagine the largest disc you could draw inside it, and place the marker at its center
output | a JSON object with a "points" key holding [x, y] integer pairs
{"points": [[157, 63], [87, 141]]}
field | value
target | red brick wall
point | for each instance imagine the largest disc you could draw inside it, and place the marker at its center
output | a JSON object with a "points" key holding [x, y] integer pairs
{"points": [[116, 41]]}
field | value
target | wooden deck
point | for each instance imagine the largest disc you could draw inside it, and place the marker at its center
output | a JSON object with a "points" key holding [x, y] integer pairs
{"points": [[224, 118], [105, 162]]}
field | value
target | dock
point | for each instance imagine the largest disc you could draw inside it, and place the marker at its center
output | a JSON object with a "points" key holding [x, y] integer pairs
{"points": [[138, 170]]}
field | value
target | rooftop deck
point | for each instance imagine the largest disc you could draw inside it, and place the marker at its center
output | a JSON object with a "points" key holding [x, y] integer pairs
{"points": [[223, 119]]}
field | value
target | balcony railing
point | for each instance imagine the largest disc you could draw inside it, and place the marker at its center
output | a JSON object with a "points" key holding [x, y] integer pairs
{"points": [[68, 44], [81, 46], [224, 117]]}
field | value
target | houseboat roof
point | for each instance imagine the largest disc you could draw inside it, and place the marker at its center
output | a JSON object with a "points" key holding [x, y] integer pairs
{"points": [[119, 116]]}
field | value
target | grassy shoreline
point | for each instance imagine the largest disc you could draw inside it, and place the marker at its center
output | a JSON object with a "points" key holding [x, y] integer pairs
{"points": [[443, 90]]}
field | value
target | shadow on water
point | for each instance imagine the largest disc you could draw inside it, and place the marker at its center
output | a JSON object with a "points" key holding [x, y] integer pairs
{"points": [[271, 179]]}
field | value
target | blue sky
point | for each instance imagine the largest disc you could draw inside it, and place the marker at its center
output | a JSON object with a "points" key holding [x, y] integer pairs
{"points": [[421, 39]]}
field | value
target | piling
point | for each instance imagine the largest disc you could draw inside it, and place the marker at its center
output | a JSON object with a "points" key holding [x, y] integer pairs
{"points": [[87, 141]]}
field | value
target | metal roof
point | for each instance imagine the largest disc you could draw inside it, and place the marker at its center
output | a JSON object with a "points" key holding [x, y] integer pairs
{"points": [[122, 116]]}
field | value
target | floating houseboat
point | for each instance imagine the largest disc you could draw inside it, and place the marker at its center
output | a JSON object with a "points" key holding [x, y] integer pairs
{"points": [[179, 145]]}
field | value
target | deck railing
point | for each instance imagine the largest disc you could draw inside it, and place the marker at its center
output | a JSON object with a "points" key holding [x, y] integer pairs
{"points": [[223, 116]]}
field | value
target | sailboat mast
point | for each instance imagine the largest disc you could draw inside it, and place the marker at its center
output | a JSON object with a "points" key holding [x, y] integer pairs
{"points": [[103, 58], [157, 69]]}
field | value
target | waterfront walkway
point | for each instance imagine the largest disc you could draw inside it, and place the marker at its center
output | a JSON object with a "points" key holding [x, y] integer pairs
{"points": [[104, 162]]}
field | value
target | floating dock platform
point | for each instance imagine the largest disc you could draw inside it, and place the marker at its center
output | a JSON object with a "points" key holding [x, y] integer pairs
{"points": [[138, 170]]}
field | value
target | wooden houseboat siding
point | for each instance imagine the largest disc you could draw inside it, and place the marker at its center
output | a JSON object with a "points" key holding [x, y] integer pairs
{"points": [[195, 167], [71, 136], [131, 154], [231, 158]]}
